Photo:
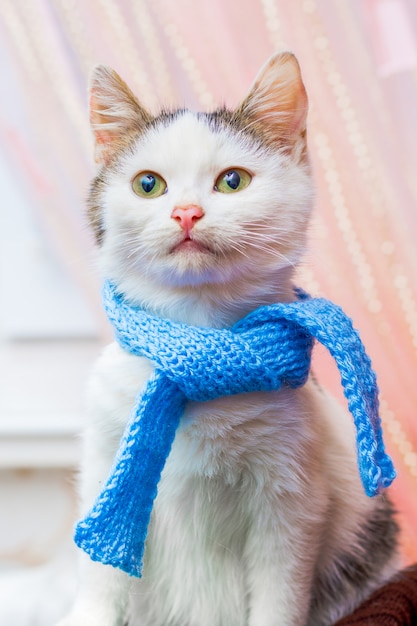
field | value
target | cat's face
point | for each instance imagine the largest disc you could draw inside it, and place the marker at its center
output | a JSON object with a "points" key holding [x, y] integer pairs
{"points": [[187, 200]]}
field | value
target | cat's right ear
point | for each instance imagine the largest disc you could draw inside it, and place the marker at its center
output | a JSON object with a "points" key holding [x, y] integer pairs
{"points": [[115, 114]]}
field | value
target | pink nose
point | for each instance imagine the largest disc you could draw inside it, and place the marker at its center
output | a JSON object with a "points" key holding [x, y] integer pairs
{"points": [[187, 216]]}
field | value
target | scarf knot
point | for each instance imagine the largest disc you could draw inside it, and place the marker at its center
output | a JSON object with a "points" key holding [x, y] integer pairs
{"points": [[207, 363], [268, 349]]}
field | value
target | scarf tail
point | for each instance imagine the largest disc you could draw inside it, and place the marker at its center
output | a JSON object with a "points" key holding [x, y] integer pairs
{"points": [[334, 330], [115, 529]]}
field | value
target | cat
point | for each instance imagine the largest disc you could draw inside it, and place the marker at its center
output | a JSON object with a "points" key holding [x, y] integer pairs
{"points": [[260, 518]]}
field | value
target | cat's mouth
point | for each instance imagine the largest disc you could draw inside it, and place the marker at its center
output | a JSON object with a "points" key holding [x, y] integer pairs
{"points": [[190, 246]]}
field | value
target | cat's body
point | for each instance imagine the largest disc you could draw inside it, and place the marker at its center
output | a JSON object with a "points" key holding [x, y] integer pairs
{"points": [[260, 518]]}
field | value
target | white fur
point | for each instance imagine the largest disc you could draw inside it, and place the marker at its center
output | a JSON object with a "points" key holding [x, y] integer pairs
{"points": [[261, 489]]}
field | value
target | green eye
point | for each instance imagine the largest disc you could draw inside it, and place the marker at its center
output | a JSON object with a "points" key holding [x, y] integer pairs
{"points": [[232, 181], [149, 185]]}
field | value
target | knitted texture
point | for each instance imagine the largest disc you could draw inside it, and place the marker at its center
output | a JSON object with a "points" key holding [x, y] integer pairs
{"points": [[269, 348]]}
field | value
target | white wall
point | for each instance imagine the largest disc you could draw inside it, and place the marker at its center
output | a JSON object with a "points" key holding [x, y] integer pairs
{"points": [[48, 340]]}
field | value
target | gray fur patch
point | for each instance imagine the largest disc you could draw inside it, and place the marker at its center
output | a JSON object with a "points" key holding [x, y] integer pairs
{"points": [[355, 575]]}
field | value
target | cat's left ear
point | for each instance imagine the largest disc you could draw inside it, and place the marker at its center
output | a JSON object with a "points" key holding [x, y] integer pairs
{"points": [[277, 104], [116, 115]]}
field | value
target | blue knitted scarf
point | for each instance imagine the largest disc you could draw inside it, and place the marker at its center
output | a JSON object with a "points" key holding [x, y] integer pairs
{"points": [[268, 349]]}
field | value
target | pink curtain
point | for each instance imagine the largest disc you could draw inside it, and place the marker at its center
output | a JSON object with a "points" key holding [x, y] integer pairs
{"points": [[359, 60]]}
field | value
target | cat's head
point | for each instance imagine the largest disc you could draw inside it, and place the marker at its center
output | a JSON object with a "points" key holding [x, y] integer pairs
{"points": [[201, 203]]}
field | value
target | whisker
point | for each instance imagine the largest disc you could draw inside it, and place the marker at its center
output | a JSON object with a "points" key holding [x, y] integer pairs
{"points": [[263, 247]]}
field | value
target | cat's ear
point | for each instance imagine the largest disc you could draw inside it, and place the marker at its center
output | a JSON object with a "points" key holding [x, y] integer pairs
{"points": [[115, 114], [277, 103]]}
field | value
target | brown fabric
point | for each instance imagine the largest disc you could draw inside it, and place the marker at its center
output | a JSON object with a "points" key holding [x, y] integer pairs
{"points": [[395, 604]]}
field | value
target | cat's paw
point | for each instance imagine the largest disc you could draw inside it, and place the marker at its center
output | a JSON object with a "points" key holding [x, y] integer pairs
{"points": [[86, 620], [67, 621], [70, 621], [75, 621]]}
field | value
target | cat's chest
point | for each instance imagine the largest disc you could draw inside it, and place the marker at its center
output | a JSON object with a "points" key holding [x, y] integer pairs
{"points": [[226, 437]]}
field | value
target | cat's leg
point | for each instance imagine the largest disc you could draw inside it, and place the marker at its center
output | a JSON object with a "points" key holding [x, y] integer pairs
{"points": [[281, 552], [102, 596], [103, 591]]}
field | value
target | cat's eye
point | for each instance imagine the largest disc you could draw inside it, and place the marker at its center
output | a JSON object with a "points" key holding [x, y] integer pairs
{"points": [[233, 180], [149, 185]]}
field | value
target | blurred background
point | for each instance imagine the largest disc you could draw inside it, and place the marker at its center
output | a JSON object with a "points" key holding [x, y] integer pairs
{"points": [[359, 61]]}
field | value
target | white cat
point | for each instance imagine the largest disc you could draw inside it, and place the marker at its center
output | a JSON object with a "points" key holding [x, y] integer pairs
{"points": [[260, 518]]}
